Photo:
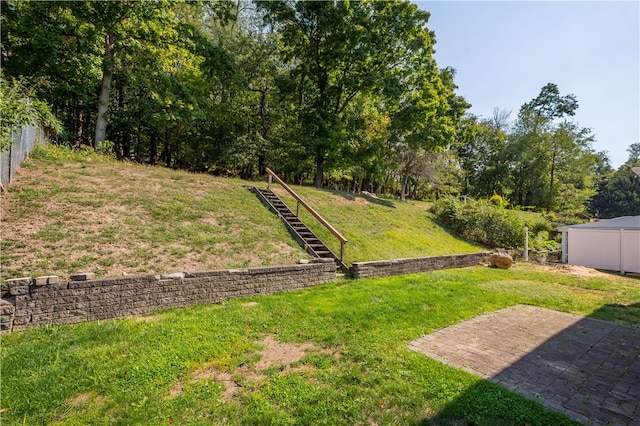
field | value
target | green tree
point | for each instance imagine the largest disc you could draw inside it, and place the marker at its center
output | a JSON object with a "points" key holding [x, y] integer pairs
{"points": [[634, 153], [46, 44], [337, 52], [553, 164], [426, 118], [619, 194], [549, 104], [481, 153]]}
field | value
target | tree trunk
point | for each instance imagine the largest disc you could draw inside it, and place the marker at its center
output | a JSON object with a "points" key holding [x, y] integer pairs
{"points": [[153, 148], [405, 182], [79, 123], [317, 182], [103, 99]]}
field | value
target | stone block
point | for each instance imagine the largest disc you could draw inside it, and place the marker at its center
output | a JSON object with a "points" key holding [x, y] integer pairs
{"points": [[19, 291], [44, 280], [172, 276], [6, 307], [16, 282], [21, 320], [83, 276]]}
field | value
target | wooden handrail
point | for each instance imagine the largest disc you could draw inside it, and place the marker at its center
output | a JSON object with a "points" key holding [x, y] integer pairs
{"points": [[315, 214]]}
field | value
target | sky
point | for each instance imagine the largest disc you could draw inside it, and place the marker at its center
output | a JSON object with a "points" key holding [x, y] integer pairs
{"points": [[504, 52]]}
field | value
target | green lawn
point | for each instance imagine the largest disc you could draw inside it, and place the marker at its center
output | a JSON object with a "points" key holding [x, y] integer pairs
{"points": [[177, 366], [377, 229]]}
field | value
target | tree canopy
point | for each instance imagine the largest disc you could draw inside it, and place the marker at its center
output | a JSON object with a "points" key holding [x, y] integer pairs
{"points": [[340, 93]]}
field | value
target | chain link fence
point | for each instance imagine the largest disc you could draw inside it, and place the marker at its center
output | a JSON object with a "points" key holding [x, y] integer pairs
{"points": [[23, 141]]}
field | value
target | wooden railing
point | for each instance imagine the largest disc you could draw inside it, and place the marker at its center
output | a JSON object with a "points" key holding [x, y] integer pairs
{"points": [[301, 202]]}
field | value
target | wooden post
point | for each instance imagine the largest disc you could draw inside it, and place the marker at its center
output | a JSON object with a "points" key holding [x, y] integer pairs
{"points": [[526, 244]]}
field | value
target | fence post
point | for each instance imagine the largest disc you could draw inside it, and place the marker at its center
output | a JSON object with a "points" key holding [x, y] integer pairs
{"points": [[10, 161], [526, 244]]}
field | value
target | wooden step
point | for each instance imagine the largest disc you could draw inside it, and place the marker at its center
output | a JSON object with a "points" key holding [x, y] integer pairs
{"points": [[310, 240]]}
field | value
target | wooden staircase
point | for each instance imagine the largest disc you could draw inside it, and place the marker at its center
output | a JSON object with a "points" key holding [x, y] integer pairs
{"points": [[303, 235]]}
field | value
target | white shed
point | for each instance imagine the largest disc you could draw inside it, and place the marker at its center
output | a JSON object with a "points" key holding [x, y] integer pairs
{"points": [[611, 244]]}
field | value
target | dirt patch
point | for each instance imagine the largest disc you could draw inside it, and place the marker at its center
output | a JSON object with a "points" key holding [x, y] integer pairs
{"points": [[150, 318], [581, 271], [281, 354], [85, 398], [575, 270], [249, 304], [82, 398], [176, 390], [273, 354]]}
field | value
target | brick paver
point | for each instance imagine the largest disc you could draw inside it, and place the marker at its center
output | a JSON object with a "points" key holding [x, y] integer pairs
{"points": [[584, 367]]}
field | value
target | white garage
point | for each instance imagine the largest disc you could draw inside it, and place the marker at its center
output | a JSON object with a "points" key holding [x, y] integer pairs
{"points": [[612, 244]]}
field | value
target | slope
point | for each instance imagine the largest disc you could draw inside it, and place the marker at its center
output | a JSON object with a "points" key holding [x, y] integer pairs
{"points": [[76, 211]]}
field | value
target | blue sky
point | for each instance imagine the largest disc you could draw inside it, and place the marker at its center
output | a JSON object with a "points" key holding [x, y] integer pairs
{"points": [[504, 52]]}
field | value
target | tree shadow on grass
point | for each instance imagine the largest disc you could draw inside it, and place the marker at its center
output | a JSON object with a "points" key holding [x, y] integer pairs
{"points": [[588, 371], [352, 197]]}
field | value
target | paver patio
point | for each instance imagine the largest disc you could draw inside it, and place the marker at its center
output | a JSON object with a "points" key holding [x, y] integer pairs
{"points": [[587, 368]]}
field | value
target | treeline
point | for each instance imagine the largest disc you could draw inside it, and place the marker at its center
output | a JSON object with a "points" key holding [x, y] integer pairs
{"points": [[339, 94], [542, 160], [316, 90]]}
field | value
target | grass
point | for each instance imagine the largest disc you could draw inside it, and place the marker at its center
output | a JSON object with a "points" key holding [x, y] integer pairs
{"points": [[70, 211], [377, 229], [151, 370], [67, 212]]}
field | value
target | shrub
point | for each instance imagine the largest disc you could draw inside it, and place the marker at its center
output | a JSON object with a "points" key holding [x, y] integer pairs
{"points": [[58, 154], [19, 107], [498, 201], [481, 222]]}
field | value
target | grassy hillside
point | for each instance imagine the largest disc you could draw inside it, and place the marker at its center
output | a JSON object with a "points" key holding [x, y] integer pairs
{"points": [[68, 212], [376, 229]]}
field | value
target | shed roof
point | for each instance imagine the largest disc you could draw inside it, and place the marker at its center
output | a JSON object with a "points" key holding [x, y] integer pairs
{"points": [[624, 222]]}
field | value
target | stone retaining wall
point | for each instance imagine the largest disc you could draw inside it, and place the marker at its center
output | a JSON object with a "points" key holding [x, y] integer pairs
{"points": [[28, 302], [385, 268]]}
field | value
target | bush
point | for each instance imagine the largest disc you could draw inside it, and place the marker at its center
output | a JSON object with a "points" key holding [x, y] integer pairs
{"points": [[20, 108], [481, 222], [59, 154], [498, 201]]}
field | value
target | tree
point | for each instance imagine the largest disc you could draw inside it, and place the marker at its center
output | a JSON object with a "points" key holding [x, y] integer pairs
{"points": [[337, 52], [120, 25], [48, 46], [481, 153], [550, 105], [634, 153], [618, 194], [426, 117], [546, 151], [346, 88]]}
